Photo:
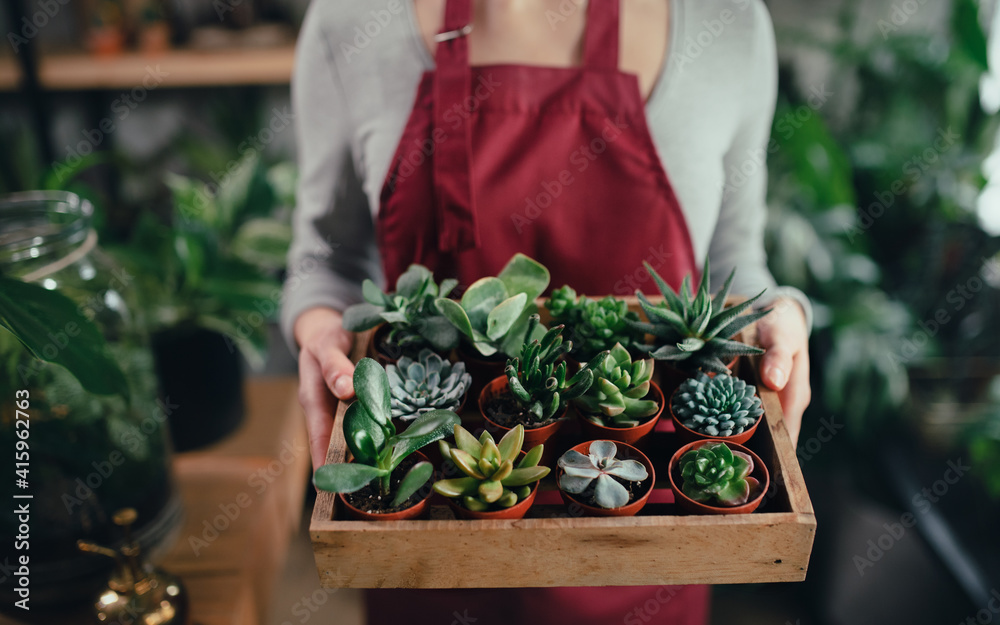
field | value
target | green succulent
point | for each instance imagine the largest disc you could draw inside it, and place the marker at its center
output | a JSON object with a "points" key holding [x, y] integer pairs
{"points": [[716, 474], [601, 464], [717, 406], [415, 322], [615, 399], [426, 383], [594, 325], [492, 481], [538, 381], [493, 312], [693, 332], [374, 443]]}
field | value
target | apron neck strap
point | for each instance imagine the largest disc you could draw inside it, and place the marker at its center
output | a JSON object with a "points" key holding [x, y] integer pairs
{"points": [[600, 40]]}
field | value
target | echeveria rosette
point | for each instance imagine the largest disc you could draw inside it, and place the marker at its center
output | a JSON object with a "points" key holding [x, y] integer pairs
{"points": [[694, 331], [426, 383], [616, 397], [494, 477], [602, 465], [716, 474], [717, 406]]}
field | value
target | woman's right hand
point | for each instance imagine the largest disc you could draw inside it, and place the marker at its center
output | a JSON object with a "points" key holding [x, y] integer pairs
{"points": [[325, 374]]}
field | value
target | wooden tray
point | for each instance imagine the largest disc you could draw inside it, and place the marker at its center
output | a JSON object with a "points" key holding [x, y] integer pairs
{"points": [[552, 547]]}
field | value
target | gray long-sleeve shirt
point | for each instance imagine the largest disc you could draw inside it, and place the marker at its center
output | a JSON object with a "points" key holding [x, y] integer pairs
{"points": [[356, 74]]}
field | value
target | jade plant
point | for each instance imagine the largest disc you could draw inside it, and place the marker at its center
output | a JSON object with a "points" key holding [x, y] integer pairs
{"points": [[410, 311], [714, 474], [374, 443], [717, 406], [616, 397], [537, 379], [694, 331], [494, 477], [600, 467], [594, 325], [493, 312], [426, 383]]}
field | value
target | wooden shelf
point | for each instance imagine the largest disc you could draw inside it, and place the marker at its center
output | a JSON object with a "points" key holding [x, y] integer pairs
{"points": [[173, 69]]}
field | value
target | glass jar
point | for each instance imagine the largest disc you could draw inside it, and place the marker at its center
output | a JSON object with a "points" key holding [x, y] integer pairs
{"points": [[90, 455]]}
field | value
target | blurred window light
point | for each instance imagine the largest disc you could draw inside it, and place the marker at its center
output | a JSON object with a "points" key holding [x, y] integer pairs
{"points": [[988, 206]]}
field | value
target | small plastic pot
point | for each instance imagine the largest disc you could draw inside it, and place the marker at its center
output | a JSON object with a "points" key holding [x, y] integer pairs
{"points": [[413, 512], [624, 451], [629, 436], [517, 511], [691, 506], [532, 436], [687, 435]]}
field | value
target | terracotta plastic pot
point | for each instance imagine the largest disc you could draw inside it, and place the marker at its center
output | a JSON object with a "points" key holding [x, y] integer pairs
{"points": [[532, 436], [759, 472], [517, 511], [629, 436], [687, 435], [625, 451], [415, 511]]}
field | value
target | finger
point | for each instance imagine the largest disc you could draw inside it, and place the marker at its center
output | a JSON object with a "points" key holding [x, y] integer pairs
{"points": [[318, 405], [796, 396], [776, 364], [338, 370]]}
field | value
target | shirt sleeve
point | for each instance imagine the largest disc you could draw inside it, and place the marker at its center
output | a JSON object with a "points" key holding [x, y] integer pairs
{"points": [[738, 240], [333, 245]]}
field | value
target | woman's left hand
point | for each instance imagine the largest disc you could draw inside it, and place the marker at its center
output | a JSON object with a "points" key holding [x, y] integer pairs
{"points": [[785, 365]]}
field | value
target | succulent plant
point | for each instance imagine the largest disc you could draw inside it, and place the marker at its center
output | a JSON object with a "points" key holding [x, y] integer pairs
{"points": [[694, 331], [601, 464], [714, 473], [410, 311], [615, 399], [492, 481], [374, 443], [538, 382], [717, 406], [594, 326], [493, 312], [427, 383]]}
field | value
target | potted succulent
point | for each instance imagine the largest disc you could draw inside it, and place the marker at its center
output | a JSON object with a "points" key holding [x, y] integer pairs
{"points": [[493, 487], [694, 332], [385, 479], [534, 390], [622, 403], [717, 477], [593, 325], [720, 406], [408, 318], [427, 383], [605, 478]]}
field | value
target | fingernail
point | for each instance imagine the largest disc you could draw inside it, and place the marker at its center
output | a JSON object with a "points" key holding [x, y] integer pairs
{"points": [[778, 377], [342, 387]]}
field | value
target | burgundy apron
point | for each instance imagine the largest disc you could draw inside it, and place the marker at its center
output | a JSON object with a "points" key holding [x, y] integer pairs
{"points": [[557, 163]]}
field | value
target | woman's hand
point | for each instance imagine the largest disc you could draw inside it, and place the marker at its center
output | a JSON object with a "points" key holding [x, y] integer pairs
{"points": [[785, 366], [325, 374]]}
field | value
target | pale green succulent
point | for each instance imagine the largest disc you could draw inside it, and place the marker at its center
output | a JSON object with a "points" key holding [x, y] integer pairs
{"points": [[717, 406], [427, 383], [602, 465], [616, 397]]}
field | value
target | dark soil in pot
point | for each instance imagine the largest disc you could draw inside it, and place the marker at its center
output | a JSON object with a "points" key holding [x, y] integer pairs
{"points": [[505, 410], [370, 498]]}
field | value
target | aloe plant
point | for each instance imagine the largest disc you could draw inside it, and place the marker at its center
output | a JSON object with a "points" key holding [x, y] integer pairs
{"points": [[492, 480], [426, 383], [374, 443], [716, 474], [415, 322], [594, 325], [538, 380], [600, 466], [717, 406], [693, 331], [616, 397], [493, 313]]}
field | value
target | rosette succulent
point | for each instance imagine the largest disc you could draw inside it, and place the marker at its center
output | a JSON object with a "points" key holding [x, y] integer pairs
{"points": [[615, 399], [426, 383], [694, 331], [410, 311], [594, 326], [717, 406], [538, 381], [600, 467], [494, 477], [715, 474]]}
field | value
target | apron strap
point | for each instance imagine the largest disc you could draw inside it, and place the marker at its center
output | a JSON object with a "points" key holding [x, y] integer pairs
{"points": [[452, 159], [600, 43]]}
